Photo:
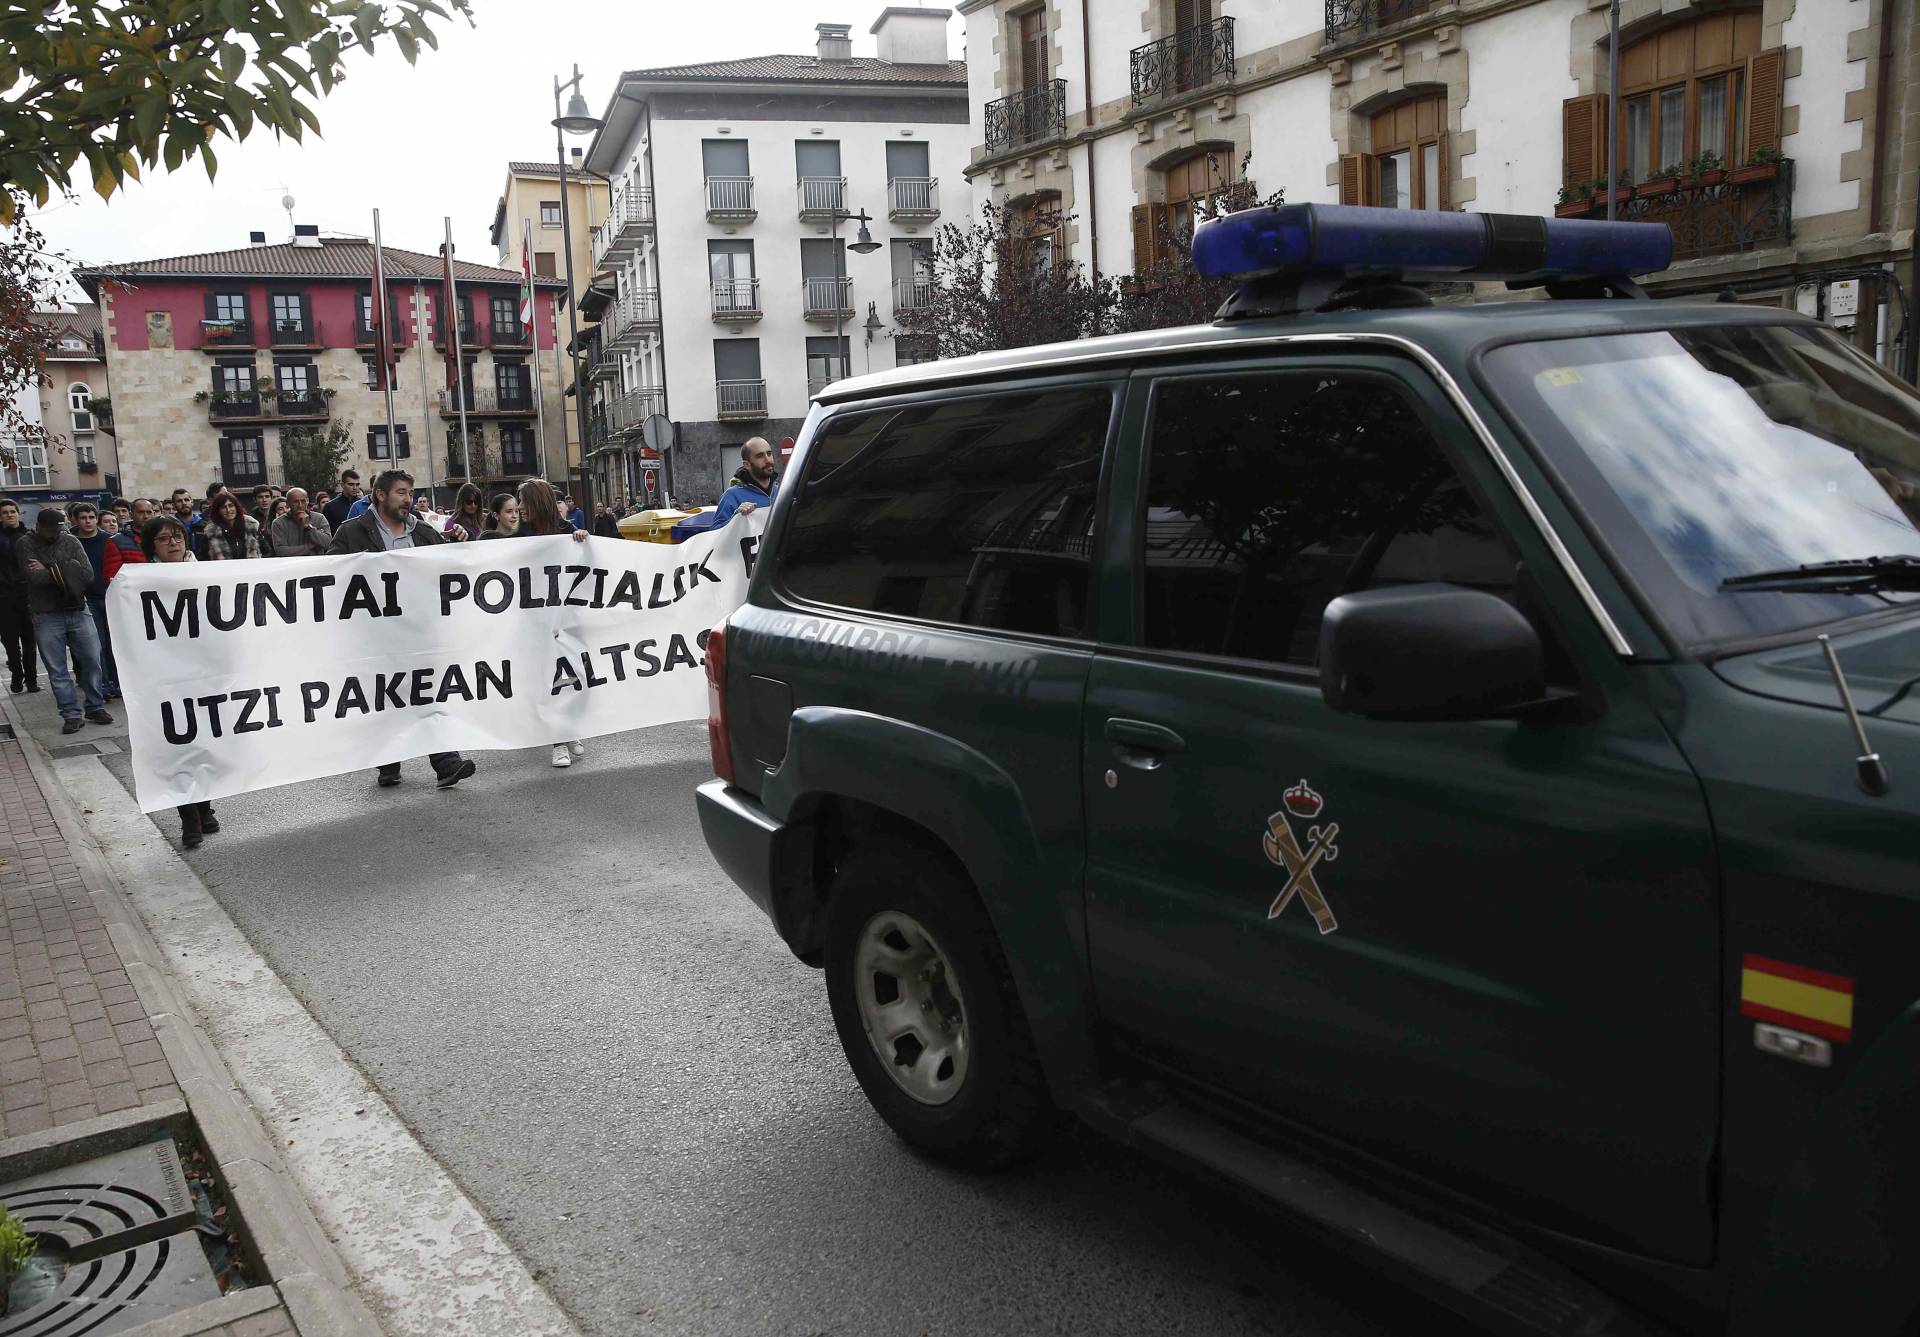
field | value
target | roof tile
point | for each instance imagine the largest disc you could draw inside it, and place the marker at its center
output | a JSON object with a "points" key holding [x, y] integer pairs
{"points": [[333, 258], [808, 69]]}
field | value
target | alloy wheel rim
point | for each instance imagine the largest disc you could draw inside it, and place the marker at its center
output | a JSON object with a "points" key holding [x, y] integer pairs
{"points": [[911, 1007]]}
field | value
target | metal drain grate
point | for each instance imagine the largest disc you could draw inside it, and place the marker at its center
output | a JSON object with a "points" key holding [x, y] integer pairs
{"points": [[121, 1228], [120, 1291], [101, 1206]]}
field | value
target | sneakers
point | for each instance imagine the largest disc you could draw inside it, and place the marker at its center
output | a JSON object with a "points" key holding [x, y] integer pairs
{"points": [[453, 776], [578, 748], [73, 726], [562, 758], [99, 717]]}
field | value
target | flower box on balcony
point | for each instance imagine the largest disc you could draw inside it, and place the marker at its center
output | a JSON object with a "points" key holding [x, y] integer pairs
{"points": [[1573, 208], [1754, 171], [1657, 186]]}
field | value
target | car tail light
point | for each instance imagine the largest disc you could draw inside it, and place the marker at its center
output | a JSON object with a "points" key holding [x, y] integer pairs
{"points": [[718, 739]]}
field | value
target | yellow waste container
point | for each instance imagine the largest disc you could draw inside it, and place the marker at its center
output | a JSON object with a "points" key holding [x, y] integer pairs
{"points": [[651, 526]]}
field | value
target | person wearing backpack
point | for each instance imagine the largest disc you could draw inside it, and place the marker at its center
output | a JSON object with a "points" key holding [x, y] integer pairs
{"points": [[58, 574]]}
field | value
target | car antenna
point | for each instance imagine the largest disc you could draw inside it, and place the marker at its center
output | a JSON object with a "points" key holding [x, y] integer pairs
{"points": [[1869, 769]]}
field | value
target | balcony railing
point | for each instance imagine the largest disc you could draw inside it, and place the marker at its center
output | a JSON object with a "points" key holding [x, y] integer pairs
{"points": [[294, 333], [1350, 19], [730, 197], [633, 313], [626, 413], [742, 399], [815, 384], [486, 399], [1190, 59], [1030, 116], [515, 335], [226, 333], [1720, 213], [485, 457], [914, 294], [827, 297], [629, 215], [736, 299], [229, 406], [913, 198], [298, 403], [821, 197], [469, 336]]}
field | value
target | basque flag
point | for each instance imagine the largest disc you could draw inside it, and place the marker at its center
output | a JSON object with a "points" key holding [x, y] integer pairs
{"points": [[378, 319], [526, 273]]}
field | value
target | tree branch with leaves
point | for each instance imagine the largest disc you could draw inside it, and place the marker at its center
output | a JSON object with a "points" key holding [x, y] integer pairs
{"points": [[123, 85], [29, 281]]}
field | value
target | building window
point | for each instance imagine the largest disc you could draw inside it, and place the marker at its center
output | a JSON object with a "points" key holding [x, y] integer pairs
{"points": [[229, 306], [293, 378], [1032, 27], [84, 457], [516, 449], [29, 466], [510, 383], [79, 402], [506, 317], [826, 362], [1684, 94], [543, 264], [912, 349], [243, 460], [1197, 188], [372, 365], [289, 313], [377, 443], [1034, 225], [1408, 163], [233, 378], [549, 213]]}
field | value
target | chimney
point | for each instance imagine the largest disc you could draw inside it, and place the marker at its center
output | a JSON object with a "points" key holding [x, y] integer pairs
{"points": [[256, 239], [912, 36], [306, 234], [578, 154], [835, 40]]}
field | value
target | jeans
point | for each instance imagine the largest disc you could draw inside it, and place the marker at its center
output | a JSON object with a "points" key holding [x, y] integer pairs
{"points": [[57, 633], [109, 671], [16, 629]]}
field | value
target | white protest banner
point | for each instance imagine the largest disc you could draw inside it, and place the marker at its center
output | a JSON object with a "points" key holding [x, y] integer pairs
{"points": [[243, 675]]}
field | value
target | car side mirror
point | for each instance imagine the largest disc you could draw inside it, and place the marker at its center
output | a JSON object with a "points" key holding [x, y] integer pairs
{"points": [[1429, 652]]}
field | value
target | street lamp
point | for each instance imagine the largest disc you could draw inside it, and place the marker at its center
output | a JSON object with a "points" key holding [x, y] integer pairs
{"points": [[862, 244], [872, 326], [577, 120]]}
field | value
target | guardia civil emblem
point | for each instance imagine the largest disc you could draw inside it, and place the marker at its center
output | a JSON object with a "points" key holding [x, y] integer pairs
{"points": [[1302, 805]]}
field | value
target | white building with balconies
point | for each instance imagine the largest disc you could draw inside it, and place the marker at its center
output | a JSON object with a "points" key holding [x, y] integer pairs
{"points": [[730, 279]]}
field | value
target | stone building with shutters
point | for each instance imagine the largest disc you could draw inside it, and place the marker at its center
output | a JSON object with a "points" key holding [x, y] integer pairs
{"points": [[215, 357], [530, 206], [78, 456], [726, 293], [1794, 125]]}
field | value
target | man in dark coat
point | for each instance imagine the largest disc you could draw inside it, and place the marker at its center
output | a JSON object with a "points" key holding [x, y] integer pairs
{"points": [[390, 525], [16, 620], [57, 574], [342, 501]]}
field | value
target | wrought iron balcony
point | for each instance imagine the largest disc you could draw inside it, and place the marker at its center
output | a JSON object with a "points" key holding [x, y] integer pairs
{"points": [[742, 399], [730, 199], [294, 333], [629, 217], [914, 294], [237, 333], [912, 199], [232, 405], [821, 197], [1720, 213], [1348, 20], [469, 336], [736, 300], [515, 335], [826, 298], [486, 399], [1028, 117], [298, 404], [1192, 58]]}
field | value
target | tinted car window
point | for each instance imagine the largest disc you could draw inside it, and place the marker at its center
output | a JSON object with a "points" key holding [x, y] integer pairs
{"points": [[977, 511], [1269, 495]]}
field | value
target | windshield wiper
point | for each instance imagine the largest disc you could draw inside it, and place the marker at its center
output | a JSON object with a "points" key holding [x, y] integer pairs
{"points": [[1857, 575]]}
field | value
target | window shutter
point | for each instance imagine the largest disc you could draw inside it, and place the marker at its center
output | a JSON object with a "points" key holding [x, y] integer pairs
{"points": [[1143, 238], [403, 448], [1445, 156], [1353, 171], [1583, 139], [1766, 80], [210, 308]]}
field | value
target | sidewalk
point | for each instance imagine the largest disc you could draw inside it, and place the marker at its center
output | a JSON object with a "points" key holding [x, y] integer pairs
{"points": [[97, 1054]]}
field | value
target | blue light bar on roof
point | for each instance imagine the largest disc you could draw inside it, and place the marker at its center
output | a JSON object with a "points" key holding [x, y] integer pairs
{"points": [[1345, 239]]}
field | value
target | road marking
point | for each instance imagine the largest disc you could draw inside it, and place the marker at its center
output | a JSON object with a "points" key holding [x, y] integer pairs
{"points": [[419, 1250]]}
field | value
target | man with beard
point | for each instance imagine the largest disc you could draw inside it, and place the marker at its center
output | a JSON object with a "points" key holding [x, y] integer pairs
{"points": [[755, 484]]}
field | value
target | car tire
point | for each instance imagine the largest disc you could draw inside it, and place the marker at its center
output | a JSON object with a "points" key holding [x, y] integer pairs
{"points": [[910, 949]]}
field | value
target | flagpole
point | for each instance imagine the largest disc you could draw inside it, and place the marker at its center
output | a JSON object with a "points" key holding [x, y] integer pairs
{"points": [[383, 347], [452, 316], [533, 310], [426, 404]]}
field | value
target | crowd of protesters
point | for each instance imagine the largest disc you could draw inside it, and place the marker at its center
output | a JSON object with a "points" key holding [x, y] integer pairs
{"points": [[54, 574]]}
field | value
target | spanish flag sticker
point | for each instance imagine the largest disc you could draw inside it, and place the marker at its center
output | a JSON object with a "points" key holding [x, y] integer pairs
{"points": [[1794, 996]]}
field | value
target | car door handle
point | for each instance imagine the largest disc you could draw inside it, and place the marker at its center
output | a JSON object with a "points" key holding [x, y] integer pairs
{"points": [[1143, 745]]}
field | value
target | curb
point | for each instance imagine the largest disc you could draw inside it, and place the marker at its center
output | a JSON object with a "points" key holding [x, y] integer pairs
{"points": [[273, 1217]]}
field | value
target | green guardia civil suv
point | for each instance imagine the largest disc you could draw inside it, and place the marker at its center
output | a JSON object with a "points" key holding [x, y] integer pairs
{"points": [[1450, 770]]}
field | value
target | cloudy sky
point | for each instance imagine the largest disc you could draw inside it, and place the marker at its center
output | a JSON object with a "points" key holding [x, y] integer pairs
{"points": [[433, 140]]}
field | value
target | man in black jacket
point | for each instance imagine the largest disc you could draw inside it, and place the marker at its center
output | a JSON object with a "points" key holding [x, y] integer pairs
{"points": [[342, 501], [57, 574], [390, 525], [16, 621]]}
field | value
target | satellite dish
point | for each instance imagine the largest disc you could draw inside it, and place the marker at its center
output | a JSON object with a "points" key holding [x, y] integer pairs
{"points": [[657, 431], [286, 202]]}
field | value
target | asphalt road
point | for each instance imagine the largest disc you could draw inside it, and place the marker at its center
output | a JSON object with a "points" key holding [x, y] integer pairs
{"points": [[611, 1051]]}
